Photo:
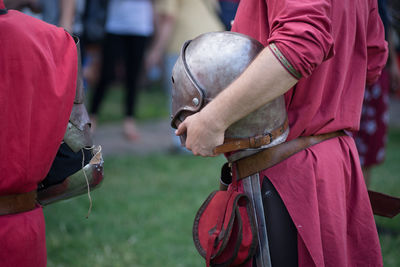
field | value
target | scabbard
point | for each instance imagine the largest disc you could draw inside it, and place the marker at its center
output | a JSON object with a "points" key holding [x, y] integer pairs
{"points": [[384, 205]]}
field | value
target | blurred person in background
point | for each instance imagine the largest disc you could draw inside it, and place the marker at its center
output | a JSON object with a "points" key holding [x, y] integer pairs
{"points": [[227, 12], [371, 139], [56, 12], [92, 39], [176, 22], [129, 24], [59, 12], [394, 6], [394, 11], [38, 65], [20, 4]]}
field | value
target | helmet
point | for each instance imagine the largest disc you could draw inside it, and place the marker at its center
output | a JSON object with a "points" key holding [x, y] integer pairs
{"points": [[78, 163], [205, 67]]}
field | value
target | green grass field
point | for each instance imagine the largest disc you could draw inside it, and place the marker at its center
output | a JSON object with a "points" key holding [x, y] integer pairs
{"points": [[386, 178], [143, 213]]}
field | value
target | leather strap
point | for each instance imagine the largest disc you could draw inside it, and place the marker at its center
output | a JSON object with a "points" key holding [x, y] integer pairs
{"points": [[382, 204], [234, 144], [11, 204], [273, 155]]}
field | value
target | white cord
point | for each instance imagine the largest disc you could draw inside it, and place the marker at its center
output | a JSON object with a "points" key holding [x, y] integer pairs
{"points": [[87, 182]]}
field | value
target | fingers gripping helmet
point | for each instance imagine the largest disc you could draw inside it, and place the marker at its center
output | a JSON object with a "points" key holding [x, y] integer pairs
{"points": [[205, 67]]}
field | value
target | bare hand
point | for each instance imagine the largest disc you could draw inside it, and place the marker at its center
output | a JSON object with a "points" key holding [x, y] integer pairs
{"points": [[153, 58], [202, 135]]}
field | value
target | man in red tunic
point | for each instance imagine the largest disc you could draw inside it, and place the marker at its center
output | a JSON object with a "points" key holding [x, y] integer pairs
{"points": [[38, 73], [320, 54]]}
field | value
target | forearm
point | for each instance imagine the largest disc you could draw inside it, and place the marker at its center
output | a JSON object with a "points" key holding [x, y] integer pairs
{"points": [[67, 13], [165, 27], [264, 80]]}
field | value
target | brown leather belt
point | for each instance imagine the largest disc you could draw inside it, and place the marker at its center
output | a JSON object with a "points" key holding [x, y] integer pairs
{"points": [[383, 205], [11, 204], [273, 155]]}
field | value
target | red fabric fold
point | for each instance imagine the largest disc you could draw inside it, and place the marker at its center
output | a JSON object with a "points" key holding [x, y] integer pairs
{"points": [[38, 73]]}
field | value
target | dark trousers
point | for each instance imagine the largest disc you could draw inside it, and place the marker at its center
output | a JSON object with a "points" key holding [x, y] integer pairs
{"points": [[282, 234], [130, 49], [227, 13]]}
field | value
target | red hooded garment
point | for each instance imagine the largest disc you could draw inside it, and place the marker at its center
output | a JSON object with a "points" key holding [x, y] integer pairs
{"points": [[38, 73], [336, 46]]}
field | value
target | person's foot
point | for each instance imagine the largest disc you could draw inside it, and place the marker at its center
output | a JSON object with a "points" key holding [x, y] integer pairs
{"points": [[130, 130]]}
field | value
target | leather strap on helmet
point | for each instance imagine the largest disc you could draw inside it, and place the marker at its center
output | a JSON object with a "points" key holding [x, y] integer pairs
{"points": [[233, 144]]}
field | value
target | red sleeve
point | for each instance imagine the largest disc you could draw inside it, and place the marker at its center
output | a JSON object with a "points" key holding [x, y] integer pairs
{"points": [[377, 50], [302, 32]]}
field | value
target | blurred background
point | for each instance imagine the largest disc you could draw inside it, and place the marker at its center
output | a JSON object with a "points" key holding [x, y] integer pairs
{"points": [[143, 213]]}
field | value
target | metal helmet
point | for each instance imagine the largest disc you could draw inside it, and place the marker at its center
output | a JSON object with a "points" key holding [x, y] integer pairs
{"points": [[205, 67], [78, 163]]}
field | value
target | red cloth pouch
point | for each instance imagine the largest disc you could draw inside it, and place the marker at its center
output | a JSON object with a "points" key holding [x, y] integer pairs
{"points": [[224, 230]]}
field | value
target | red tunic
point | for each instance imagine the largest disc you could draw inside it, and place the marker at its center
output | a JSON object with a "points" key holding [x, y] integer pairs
{"points": [[38, 72], [336, 46]]}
